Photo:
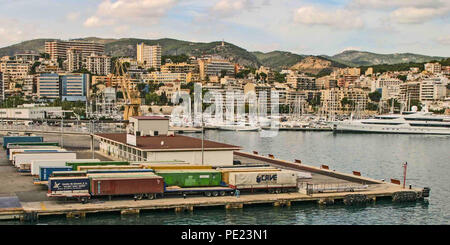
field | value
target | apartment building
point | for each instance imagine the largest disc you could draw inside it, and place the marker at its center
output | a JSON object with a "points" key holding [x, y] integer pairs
{"points": [[410, 90], [58, 48], [13, 70], [48, 86], [332, 99], [213, 66], [386, 81], [27, 57], [98, 64], [164, 77], [180, 68], [433, 67], [301, 81], [148, 56], [2, 89], [433, 89], [74, 60]]}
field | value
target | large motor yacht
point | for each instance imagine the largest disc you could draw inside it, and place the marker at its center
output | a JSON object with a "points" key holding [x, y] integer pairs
{"points": [[410, 122]]}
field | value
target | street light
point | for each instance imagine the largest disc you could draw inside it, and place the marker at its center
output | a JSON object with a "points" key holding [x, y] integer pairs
{"points": [[62, 124]]}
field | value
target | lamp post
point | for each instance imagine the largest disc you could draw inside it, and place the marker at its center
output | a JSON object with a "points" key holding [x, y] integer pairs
{"points": [[203, 140]]}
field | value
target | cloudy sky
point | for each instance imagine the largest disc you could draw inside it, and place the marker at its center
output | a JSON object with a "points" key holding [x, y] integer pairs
{"points": [[300, 26]]}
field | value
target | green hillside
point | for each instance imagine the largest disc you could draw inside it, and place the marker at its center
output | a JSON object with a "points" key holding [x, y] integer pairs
{"points": [[126, 47], [361, 58]]}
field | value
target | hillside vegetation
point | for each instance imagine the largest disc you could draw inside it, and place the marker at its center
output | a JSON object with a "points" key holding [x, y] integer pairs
{"points": [[126, 47]]}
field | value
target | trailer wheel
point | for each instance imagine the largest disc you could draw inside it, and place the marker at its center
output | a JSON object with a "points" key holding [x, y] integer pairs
{"points": [[84, 200], [151, 196], [215, 193], [222, 193], [271, 191], [208, 193], [277, 191], [138, 197]]}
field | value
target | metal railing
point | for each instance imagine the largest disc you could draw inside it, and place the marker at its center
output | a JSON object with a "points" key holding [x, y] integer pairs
{"points": [[75, 129]]}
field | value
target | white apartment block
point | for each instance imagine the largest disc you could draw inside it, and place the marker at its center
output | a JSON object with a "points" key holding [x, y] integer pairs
{"points": [[98, 64], [386, 81], [433, 89], [148, 55]]}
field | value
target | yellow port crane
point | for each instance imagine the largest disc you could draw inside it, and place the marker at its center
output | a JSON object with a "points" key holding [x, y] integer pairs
{"points": [[130, 93]]}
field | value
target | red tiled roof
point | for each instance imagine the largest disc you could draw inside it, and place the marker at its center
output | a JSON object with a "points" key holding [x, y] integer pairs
{"points": [[179, 142], [150, 118]]}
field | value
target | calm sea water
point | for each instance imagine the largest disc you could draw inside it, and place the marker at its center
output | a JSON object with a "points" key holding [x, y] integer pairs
{"points": [[374, 155]]}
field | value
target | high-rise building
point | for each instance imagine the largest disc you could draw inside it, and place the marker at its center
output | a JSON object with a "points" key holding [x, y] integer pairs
{"points": [[148, 56], [58, 49], [71, 87], [2, 95], [74, 59], [98, 64], [74, 87], [48, 86]]}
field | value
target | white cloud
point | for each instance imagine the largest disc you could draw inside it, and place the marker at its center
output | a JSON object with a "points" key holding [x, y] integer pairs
{"points": [[412, 15], [136, 11], [225, 8], [72, 16], [444, 40], [14, 31], [386, 4], [341, 18]]}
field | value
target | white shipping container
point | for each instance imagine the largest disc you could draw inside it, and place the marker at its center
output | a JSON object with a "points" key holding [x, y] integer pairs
{"points": [[13, 152], [35, 164], [26, 158], [263, 179]]}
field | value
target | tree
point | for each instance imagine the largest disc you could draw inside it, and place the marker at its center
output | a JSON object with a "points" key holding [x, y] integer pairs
{"points": [[33, 67], [375, 96], [223, 73], [281, 78], [152, 98], [263, 76], [402, 77], [45, 56]]}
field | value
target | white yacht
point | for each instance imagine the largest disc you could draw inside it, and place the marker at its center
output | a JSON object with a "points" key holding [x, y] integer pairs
{"points": [[411, 122], [239, 127]]}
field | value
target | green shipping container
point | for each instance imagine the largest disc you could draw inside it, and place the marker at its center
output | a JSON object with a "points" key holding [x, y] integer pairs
{"points": [[75, 164], [191, 178]]}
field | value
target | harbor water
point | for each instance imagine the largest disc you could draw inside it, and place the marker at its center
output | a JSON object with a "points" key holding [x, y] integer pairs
{"points": [[377, 156]]}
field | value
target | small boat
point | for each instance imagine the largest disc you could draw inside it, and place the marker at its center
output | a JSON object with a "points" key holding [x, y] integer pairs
{"points": [[239, 127]]}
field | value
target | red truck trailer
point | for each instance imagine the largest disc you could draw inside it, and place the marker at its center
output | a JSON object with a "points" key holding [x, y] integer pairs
{"points": [[140, 187]]}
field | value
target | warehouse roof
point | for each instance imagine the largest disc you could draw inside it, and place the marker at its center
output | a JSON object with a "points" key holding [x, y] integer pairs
{"points": [[164, 143]]}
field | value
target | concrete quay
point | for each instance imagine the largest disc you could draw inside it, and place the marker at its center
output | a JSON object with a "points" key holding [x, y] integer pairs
{"points": [[21, 199]]}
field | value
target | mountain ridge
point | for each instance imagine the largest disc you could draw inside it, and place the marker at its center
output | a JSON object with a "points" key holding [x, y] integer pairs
{"points": [[276, 59]]}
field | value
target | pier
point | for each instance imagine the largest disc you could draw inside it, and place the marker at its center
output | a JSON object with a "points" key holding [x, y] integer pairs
{"points": [[28, 202]]}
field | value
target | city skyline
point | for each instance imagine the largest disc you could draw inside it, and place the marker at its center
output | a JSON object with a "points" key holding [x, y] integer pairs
{"points": [[303, 27]]}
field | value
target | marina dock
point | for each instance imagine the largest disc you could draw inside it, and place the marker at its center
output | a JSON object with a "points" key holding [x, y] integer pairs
{"points": [[28, 202]]}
